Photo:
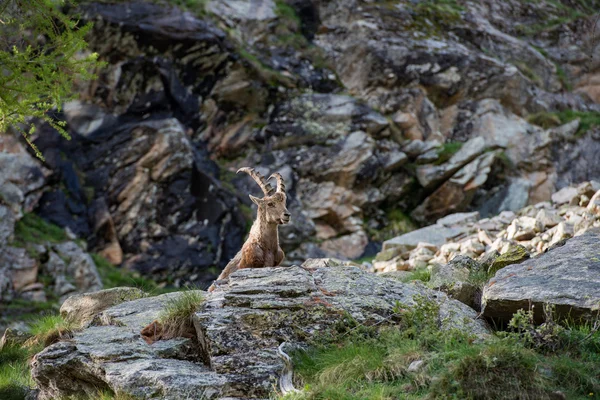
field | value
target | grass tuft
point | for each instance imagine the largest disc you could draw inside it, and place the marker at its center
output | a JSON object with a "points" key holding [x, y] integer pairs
{"points": [[176, 318], [48, 330]]}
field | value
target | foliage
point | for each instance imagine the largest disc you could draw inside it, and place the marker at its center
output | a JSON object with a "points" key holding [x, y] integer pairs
{"points": [[113, 276], [434, 16], [587, 119], [196, 6], [544, 119], [398, 223], [505, 366], [14, 373], [33, 229], [418, 274], [287, 12], [176, 317], [447, 151], [48, 329], [42, 56]]}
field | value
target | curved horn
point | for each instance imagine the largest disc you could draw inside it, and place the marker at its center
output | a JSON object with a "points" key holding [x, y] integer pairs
{"points": [[280, 182], [258, 178]]}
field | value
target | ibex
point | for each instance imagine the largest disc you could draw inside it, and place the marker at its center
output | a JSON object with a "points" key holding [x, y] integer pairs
{"points": [[261, 249]]}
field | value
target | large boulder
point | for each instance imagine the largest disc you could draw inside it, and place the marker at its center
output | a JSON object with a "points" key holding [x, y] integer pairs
{"points": [[567, 277], [239, 329], [80, 309], [112, 355]]}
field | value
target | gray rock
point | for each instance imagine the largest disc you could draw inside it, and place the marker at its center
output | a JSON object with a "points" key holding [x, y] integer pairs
{"points": [[452, 279], [80, 309], [565, 195], [567, 276], [434, 234], [20, 175], [242, 325], [458, 218], [80, 266], [14, 337], [239, 327], [112, 355], [431, 175], [7, 225]]}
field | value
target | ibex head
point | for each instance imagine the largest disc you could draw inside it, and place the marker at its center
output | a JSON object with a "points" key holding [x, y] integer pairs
{"points": [[272, 205]]}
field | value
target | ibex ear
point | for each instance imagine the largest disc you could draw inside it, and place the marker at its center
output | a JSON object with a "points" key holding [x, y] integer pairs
{"points": [[255, 200]]}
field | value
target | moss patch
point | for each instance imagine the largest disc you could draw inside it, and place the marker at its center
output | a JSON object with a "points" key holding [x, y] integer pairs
{"points": [[447, 151], [514, 255], [398, 223], [33, 229]]}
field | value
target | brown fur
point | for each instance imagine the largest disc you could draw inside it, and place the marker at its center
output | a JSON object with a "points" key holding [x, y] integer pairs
{"points": [[261, 249]]}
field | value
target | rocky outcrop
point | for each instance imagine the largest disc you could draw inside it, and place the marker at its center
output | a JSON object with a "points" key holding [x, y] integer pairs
{"points": [[33, 252], [240, 327], [531, 231], [567, 277], [416, 107]]}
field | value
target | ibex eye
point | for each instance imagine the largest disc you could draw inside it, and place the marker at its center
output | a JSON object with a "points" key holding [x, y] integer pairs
{"points": [[271, 204]]}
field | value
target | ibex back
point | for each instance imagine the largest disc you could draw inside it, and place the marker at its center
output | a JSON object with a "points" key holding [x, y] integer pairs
{"points": [[261, 249]]}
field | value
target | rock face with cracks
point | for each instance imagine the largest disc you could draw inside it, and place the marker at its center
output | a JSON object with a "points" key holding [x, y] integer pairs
{"points": [[567, 277], [239, 327]]}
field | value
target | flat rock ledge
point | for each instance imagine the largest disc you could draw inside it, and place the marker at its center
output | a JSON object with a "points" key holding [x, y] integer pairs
{"points": [[239, 328], [567, 277]]}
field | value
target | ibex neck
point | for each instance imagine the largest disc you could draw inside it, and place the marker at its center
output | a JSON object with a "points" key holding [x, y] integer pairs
{"points": [[265, 232]]}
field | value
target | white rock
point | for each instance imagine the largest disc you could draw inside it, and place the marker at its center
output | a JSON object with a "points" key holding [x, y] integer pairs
{"points": [[565, 196], [416, 366], [548, 218]]}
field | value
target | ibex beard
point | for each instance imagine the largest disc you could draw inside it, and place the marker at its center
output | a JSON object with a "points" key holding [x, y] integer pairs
{"points": [[261, 249]]}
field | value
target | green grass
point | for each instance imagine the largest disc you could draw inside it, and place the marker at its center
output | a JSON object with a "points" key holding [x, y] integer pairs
{"points": [[33, 229], [563, 78], [287, 13], [14, 373], [419, 274], [15, 378], [529, 73], [113, 276], [48, 329], [375, 366], [587, 119], [447, 151], [176, 317], [398, 224], [197, 7], [433, 17]]}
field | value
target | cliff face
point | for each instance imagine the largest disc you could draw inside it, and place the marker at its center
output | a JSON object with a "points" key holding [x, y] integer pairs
{"points": [[370, 110]]}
